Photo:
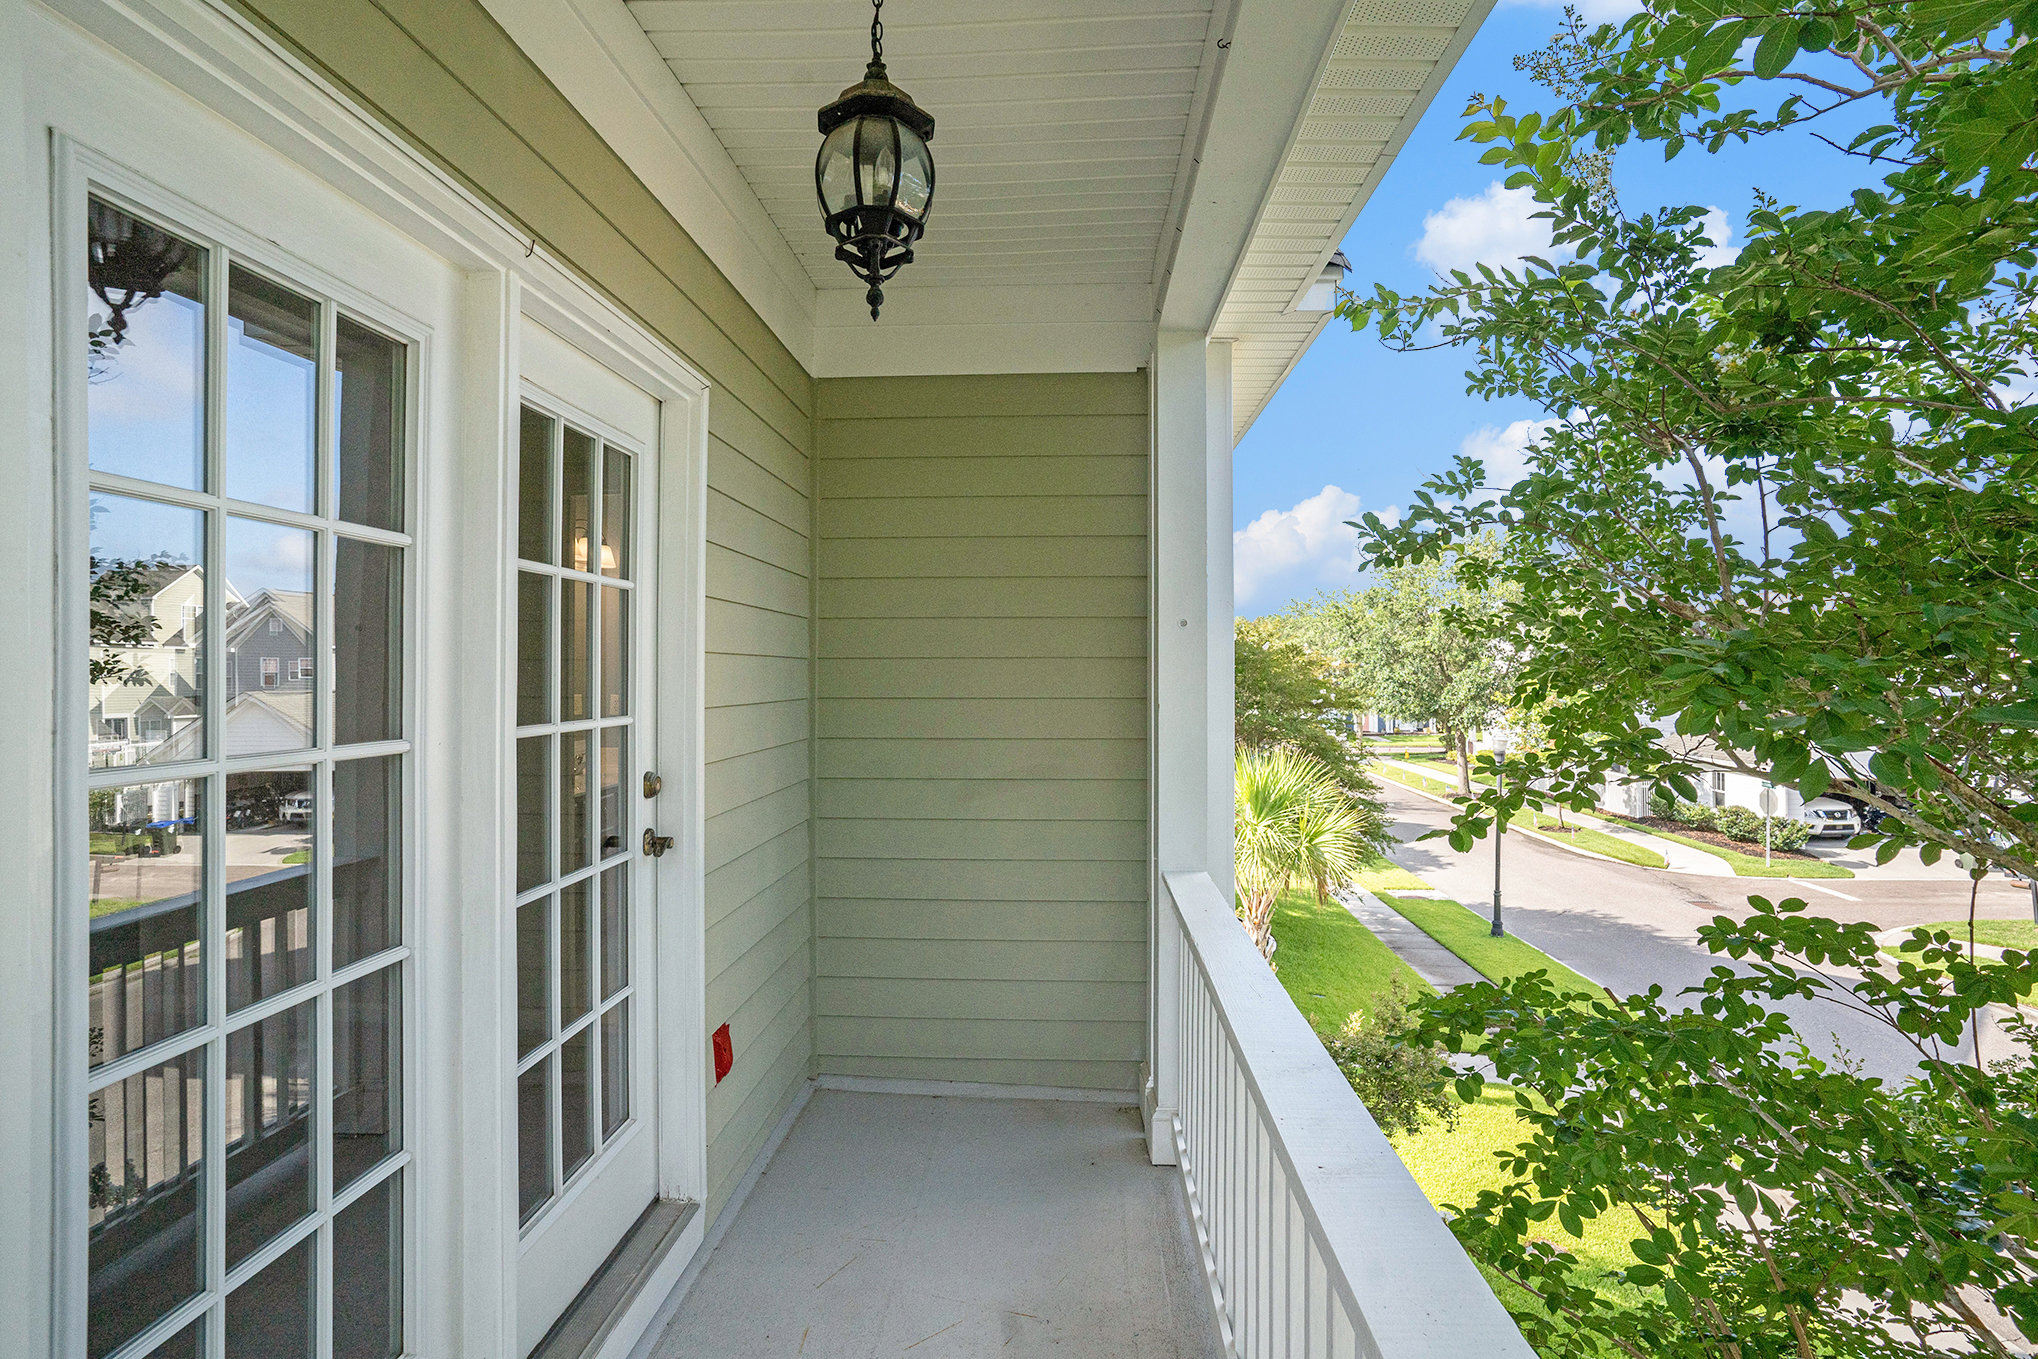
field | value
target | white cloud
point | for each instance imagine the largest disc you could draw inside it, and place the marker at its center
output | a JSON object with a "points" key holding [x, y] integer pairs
{"points": [[1496, 227], [1592, 11], [1719, 231], [1302, 548], [1504, 451]]}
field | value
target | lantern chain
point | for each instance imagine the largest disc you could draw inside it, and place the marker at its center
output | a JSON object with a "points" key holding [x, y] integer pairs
{"points": [[877, 35]]}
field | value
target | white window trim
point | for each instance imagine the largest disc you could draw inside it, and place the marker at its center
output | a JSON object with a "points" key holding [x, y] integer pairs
{"points": [[228, 66]]}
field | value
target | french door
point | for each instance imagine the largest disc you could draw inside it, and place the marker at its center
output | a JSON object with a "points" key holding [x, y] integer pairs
{"points": [[584, 912]]}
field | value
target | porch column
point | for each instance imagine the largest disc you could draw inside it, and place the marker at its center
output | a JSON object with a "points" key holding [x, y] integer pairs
{"points": [[1191, 681]]}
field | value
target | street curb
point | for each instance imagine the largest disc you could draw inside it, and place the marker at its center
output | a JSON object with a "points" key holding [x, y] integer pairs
{"points": [[1538, 835]]}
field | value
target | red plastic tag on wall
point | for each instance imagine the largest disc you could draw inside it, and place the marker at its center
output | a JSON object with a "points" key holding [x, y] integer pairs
{"points": [[725, 1053]]}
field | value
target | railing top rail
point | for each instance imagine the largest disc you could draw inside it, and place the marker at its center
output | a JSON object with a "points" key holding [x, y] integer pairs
{"points": [[1413, 1291]]}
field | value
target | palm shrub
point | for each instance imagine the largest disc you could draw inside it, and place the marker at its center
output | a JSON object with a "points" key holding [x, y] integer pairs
{"points": [[1294, 824]]}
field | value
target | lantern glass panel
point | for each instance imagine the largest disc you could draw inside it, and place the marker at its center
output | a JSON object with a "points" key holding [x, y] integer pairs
{"points": [[877, 160], [835, 172], [916, 174]]}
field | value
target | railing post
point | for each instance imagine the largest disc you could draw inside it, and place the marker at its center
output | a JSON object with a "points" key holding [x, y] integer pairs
{"points": [[1163, 1096]]}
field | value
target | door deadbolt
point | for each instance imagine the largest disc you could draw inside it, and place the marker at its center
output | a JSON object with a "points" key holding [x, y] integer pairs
{"points": [[653, 785], [655, 844]]}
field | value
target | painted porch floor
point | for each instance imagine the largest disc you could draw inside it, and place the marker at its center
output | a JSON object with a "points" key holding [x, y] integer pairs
{"points": [[942, 1226]]}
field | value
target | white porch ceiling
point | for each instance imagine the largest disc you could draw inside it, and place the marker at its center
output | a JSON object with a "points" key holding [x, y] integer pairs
{"points": [[1386, 64], [1061, 124]]}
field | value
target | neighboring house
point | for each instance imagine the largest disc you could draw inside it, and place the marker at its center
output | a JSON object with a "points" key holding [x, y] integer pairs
{"points": [[860, 808], [1718, 781]]}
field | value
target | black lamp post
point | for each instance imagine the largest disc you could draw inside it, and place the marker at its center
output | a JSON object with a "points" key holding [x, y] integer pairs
{"points": [[1497, 743], [874, 174]]}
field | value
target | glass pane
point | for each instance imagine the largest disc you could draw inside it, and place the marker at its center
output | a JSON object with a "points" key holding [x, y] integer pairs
{"points": [[576, 1126], [367, 642], [269, 819], [270, 1316], [576, 961], [916, 174], [271, 392], [367, 857], [614, 765], [144, 350], [534, 972], [835, 170], [577, 499], [146, 1140], [271, 649], [615, 930], [534, 487], [268, 1130], [534, 1142], [615, 512], [575, 815], [576, 650], [186, 1344], [615, 1070], [367, 1074], [368, 1275], [615, 651], [534, 649], [368, 425], [145, 980], [534, 812], [146, 607]]}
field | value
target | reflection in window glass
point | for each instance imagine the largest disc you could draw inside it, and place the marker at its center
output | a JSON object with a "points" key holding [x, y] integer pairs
{"points": [[270, 1316], [576, 1121], [271, 393], [576, 823], [146, 1140], [367, 857], [144, 350], [146, 609], [534, 1146], [271, 647], [367, 642], [576, 481], [534, 487], [613, 767], [615, 512], [576, 963], [615, 930], [269, 880], [534, 970], [268, 1130], [615, 652], [368, 1275], [534, 811], [368, 382], [367, 1074], [534, 648], [576, 650], [145, 982], [615, 1069]]}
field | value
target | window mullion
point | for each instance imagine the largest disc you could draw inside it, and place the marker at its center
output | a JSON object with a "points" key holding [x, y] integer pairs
{"points": [[213, 912]]}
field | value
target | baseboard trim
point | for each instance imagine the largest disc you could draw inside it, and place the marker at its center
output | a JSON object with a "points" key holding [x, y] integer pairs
{"points": [[654, 1331], [886, 1085]]}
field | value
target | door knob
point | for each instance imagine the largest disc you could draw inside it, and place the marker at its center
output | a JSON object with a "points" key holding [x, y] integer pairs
{"points": [[655, 844]]}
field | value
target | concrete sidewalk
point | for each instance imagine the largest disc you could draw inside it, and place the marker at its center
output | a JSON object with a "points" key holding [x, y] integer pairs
{"points": [[1432, 962]]}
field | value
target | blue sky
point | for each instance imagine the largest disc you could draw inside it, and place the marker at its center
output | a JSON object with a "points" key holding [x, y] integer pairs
{"points": [[1359, 427]]}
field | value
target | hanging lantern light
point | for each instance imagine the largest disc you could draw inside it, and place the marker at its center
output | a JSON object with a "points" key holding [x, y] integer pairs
{"points": [[874, 173]]}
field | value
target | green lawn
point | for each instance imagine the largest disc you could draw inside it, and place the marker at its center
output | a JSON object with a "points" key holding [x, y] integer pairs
{"points": [[1599, 842], [1413, 780], [1751, 865], [1383, 875], [1408, 738], [1453, 1165], [302, 856], [109, 905], [2017, 934], [1331, 964], [1466, 935]]}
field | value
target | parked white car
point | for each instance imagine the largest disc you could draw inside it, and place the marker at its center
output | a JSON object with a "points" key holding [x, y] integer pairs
{"points": [[296, 809], [1830, 816]]}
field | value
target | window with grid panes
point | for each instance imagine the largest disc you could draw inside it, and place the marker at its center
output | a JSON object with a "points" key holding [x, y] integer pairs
{"points": [[246, 463]]}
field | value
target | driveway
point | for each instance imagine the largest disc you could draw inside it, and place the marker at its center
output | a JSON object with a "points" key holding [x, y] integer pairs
{"points": [[1629, 928]]}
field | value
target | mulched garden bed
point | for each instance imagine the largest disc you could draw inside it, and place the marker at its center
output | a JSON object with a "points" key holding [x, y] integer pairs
{"points": [[1691, 832]]}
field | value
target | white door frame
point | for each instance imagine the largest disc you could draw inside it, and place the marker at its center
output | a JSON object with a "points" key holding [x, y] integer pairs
{"points": [[220, 60]]}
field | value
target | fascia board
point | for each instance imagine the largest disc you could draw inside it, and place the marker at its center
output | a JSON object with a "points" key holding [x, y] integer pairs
{"points": [[1278, 51], [599, 57]]}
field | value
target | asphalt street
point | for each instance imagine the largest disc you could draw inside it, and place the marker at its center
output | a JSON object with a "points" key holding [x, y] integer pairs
{"points": [[1629, 927]]}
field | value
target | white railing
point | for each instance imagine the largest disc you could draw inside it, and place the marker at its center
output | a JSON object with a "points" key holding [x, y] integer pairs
{"points": [[1316, 1241]]}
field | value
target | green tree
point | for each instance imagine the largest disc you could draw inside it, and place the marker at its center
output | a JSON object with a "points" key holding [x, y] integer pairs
{"points": [[1786, 501], [1423, 644], [1291, 696], [1294, 824]]}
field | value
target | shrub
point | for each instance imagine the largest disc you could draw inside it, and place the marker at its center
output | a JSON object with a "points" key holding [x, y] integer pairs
{"points": [[1786, 832], [1694, 814], [1662, 802], [1403, 1084], [1739, 823]]}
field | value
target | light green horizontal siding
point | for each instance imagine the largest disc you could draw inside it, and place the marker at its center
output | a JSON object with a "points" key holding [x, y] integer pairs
{"points": [[443, 74], [980, 832]]}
